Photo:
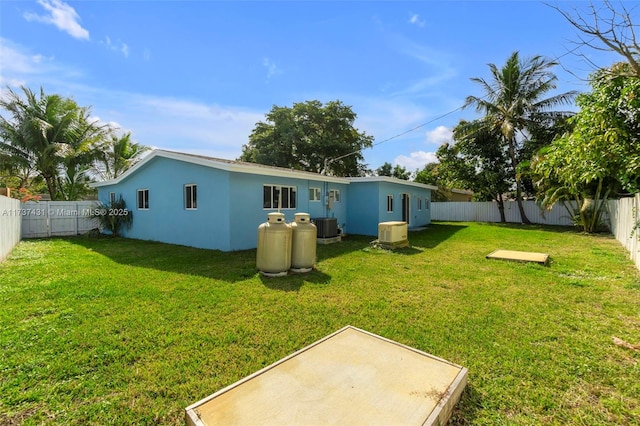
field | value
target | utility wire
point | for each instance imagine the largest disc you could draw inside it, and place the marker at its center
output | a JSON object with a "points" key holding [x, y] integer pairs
{"points": [[419, 126]]}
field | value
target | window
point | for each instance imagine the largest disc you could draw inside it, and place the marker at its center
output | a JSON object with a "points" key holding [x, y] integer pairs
{"points": [[389, 203], [273, 194], [190, 197], [335, 194], [426, 204], [419, 203], [112, 197], [314, 194], [143, 199]]}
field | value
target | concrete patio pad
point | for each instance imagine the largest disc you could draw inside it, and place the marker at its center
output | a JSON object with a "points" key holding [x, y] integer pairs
{"points": [[351, 377], [519, 256]]}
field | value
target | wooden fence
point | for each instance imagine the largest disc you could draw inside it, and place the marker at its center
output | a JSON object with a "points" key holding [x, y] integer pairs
{"points": [[57, 218], [10, 224]]}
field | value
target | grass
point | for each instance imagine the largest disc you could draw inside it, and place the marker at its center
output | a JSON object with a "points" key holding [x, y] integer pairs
{"points": [[113, 331]]}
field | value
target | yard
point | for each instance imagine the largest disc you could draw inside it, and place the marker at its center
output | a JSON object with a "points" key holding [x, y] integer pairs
{"points": [[114, 331]]}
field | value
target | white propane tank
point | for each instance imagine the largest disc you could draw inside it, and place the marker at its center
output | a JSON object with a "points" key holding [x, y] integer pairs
{"points": [[303, 245], [274, 246]]}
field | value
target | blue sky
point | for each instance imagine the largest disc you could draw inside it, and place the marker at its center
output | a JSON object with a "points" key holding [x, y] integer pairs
{"points": [[195, 76]]}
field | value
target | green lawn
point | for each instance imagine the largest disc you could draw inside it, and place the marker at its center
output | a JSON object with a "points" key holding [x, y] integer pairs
{"points": [[113, 331]]}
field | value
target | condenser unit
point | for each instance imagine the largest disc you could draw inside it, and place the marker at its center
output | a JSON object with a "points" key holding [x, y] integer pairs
{"points": [[393, 234], [327, 227]]}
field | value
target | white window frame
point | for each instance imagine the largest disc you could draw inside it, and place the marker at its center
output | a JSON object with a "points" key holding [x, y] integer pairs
{"points": [[336, 194], [419, 204], [426, 204], [112, 197], [389, 203], [315, 194], [138, 193], [272, 204], [191, 196]]}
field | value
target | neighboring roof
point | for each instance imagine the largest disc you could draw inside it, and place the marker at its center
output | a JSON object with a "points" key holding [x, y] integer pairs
{"points": [[222, 164], [391, 180], [462, 191]]}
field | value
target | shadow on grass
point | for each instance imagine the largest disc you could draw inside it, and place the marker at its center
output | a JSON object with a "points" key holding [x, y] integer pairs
{"points": [[465, 411], [293, 282], [225, 266], [434, 234], [241, 265]]}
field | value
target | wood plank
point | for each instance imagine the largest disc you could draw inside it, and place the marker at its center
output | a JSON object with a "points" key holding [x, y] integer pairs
{"points": [[519, 256]]}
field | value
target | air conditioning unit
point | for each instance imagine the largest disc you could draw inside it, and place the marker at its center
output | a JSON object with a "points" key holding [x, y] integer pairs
{"points": [[392, 233], [327, 227]]}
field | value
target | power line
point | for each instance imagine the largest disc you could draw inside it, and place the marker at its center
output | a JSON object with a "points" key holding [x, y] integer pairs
{"points": [[413, 129]]}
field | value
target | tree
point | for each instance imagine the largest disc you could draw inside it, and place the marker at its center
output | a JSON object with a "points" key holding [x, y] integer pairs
{"points": [[116, 155], [608, 29], [45, 136], [476, 161], [397, 172], [309, 136], [601, 156], [513, 101], [429, 176], [385, 170]]}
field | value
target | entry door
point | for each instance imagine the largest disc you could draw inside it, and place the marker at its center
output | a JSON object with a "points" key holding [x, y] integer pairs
{"points": [[406, 207]]}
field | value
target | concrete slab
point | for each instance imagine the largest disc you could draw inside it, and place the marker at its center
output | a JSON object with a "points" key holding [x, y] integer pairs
{"points": [[520, 256], [330, 240], [351, 377]]}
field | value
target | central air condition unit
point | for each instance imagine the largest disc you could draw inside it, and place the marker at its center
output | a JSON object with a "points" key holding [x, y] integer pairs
{"points": [[327, 227], [393, 233]]}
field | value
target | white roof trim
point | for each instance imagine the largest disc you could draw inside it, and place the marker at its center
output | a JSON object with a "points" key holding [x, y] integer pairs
{"points": [[392, 180], [227, 165]]}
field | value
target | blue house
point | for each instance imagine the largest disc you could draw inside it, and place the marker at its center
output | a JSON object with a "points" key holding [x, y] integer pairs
{"points": [[212, 203]]}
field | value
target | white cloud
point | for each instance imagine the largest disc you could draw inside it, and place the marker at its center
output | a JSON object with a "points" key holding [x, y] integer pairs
{"points": [[415, 160], [272, 68], [415, 20], [63, 16], [116, 46], [20, 67], [182, 125], [440, 135], [434, 64]]}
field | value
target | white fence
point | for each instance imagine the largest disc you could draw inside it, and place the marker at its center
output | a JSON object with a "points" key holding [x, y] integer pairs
{"points": [[624, 216], [57, 218], [488, 212], [10, 224]]}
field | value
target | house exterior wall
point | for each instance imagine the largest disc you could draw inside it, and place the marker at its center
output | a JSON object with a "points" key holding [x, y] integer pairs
{"points": [[229, 204], [363, 208], [167, 220], [230, 200], [368, 205], [247, 211]]}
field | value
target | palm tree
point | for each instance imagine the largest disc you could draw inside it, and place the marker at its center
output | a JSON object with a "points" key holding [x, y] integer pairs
{"points": [[514, 100], [40, 131], [118, 154]]}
